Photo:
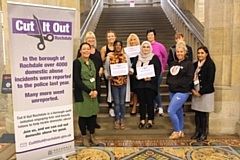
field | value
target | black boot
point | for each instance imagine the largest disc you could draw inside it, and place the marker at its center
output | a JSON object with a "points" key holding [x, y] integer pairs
{"points": [[96, 124], [203, 135], [198, 127]]}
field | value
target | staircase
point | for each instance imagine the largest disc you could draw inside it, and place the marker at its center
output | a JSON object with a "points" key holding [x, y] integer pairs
{"points": [[125, 21], [138, 20]]}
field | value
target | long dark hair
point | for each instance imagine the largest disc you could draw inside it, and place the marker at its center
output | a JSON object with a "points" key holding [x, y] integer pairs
{"points": [[205, 50], [115, 43], [78, 52]]}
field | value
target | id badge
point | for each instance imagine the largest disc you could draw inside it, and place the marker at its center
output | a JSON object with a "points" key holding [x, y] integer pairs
{"points": [[92, 80], [196, 82]]}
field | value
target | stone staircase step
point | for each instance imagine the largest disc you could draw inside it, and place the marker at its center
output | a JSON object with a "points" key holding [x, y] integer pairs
{"points": [[165, 97], [162, 125], [104, 107], [137, 20]]}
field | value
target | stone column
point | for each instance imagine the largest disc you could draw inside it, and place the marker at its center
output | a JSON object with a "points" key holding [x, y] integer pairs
{"points": [[222, 34], [199, 10]]}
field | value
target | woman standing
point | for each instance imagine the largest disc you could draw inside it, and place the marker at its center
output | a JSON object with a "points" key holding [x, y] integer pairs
{"points": [[105, 50], [118, 85], [87, 81], [96, 57], [160, 51], [179, 80], [133, 40], [146, 88], [203, 91]]}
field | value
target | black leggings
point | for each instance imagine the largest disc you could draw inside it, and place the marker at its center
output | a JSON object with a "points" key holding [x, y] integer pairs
{"points": [[88, 122], [201, 115], [145, 99]]}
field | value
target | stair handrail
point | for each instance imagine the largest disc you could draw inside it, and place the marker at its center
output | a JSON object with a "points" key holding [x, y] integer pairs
{"points": [[90, 16], [182, 24], [187, 22]]}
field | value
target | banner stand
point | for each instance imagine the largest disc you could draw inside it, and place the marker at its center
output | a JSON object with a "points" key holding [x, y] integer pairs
{"points": [[63, 156], [41, 47]]}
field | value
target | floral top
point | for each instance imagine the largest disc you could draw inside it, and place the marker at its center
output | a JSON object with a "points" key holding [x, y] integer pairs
{"points": [[114, 59]]}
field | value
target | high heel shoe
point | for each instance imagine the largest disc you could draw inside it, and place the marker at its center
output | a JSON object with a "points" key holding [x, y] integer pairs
{"points": [[141, 125], [133, 114], [149, 125]]}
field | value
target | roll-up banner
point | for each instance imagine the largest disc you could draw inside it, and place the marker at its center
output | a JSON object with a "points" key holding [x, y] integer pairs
{"points": [[41, 49]]}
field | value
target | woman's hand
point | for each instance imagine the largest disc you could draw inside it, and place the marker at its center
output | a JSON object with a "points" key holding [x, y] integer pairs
{"points": [[130, 73], [147, 79], [93, 94], [100, 72], [195, 93], [109, 77]]}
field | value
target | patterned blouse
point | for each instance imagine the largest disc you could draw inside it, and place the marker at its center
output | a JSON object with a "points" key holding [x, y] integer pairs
{"points": [[115, 59]]}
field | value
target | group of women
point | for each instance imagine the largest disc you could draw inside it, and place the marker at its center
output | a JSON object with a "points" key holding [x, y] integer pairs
{"points": [[183, 78]]}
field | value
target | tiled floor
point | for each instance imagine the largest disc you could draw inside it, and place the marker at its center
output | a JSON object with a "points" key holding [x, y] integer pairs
{"points": [[154, 148]]}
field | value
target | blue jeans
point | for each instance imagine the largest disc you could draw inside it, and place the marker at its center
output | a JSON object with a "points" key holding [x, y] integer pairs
{"points": [[119, 96], [158, 98], [175, 109]]}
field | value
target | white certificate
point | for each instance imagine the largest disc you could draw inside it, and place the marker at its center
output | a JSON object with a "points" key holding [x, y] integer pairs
{"points": [[145, 71], [119, 69], [132, 51]]}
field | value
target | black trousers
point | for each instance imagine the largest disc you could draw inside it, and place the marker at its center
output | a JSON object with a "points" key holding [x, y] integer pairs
{"points": [[145, 99], [88, 122]]}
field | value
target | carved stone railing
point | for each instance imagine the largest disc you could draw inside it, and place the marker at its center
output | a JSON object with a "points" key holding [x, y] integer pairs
{"points": [[181, 24], [92, 19]]}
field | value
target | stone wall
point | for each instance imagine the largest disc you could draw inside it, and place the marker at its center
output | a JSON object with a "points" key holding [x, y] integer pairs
{"points": [[222, 34]]}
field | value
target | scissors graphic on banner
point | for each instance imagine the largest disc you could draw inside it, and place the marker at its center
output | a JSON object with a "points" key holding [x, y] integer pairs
{"points": [[49, 37]]}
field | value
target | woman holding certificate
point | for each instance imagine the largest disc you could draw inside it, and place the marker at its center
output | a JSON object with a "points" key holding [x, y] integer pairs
{"points": [[117, 69], [133, 41], [146, 72], [87, 81], [179, 79]]}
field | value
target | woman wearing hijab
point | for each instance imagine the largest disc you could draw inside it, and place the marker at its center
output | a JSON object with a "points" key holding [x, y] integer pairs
{"points": [[146, 88], [203, 91]]}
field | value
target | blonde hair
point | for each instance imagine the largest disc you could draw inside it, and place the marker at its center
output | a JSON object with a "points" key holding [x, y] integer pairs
{"points": [[90, 34], [129, 37], [181, 44]]}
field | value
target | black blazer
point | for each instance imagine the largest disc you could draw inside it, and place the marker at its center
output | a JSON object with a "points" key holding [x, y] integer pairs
{"points": [[206, 76], [140, 84]]}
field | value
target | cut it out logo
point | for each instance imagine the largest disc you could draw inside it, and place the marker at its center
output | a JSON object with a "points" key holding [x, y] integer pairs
{"points": [[44, 30]]}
